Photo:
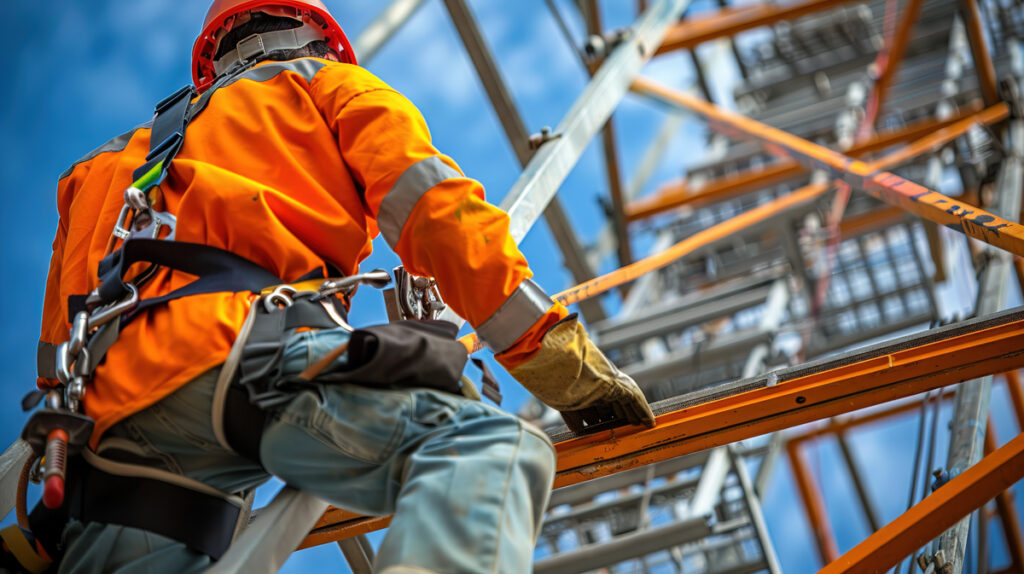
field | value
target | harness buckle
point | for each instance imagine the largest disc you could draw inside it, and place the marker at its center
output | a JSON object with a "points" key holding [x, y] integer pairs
{"points": [[250, 47]]}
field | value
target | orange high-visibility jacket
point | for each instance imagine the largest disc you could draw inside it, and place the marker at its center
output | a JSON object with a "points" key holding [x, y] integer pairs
{"points": [[292, 165]]}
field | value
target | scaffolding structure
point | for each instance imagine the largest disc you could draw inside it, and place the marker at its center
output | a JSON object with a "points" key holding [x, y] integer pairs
{"points": [[799, 272], [763, 258]]}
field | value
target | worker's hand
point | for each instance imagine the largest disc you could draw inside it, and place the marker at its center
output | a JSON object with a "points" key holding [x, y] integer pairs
{"points": [[571, 375]]}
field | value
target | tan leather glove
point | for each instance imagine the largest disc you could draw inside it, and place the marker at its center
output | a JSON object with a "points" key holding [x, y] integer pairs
{"points": [[571, 375]]}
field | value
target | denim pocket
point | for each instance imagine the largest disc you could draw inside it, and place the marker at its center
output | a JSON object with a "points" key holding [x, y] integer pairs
{"points": [[365, 424], [433, 409]]}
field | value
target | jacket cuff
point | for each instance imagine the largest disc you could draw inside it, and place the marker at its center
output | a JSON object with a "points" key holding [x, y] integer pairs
{"points": [[528, 343]]}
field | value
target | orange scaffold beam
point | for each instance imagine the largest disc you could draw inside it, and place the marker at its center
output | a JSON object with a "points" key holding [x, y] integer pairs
{"points": [[698, 240], [940, 359], [814, 504], [979, 50], [1016, 396], [731, 21], [1007, 511], [937, 512], [878, 183], [888, 64], [823, 389], [685, 193]]}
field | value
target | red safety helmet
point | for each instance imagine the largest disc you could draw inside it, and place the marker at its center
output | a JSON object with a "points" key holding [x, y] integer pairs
{"points": [[221, 18]]}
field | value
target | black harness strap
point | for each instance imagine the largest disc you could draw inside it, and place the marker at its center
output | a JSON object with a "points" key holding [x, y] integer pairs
{"points": [[217, 270], [243, 423], [203, 522], [260, 367], [168, 132]]}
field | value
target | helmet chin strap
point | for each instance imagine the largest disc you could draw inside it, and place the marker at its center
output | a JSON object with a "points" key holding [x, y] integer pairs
{"points": [[259, 44]]}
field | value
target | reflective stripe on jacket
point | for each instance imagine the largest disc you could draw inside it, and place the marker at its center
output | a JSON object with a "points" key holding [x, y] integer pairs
{"points": [[291, 165]]}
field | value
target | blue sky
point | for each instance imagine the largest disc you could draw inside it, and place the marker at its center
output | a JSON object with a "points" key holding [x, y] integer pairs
{"points": [[83, 72]]}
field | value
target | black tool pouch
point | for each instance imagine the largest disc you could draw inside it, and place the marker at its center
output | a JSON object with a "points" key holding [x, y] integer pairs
{"points": [[400, 354]]}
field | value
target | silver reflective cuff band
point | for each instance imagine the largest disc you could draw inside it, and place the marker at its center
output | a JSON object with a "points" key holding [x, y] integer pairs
{"points": [[267, 42], [524, 307], [46, 360], [418, 179]]}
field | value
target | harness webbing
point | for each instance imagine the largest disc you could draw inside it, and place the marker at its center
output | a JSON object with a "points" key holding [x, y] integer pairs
{"points": [[217, 270], [155, 506]]}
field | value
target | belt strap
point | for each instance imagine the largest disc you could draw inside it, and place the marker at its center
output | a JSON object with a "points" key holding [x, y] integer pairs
{"points": [[203, 522], [218, 270], [243, 423]]}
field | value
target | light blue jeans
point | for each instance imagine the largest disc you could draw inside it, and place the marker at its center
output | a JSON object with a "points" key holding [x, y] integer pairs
{"points": [[467, 483]]}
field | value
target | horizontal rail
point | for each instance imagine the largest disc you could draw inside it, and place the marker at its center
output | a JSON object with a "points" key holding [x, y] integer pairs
{"points": [[883, 185], [733, 185], [731, 21], [825, 388], [818, 390]]}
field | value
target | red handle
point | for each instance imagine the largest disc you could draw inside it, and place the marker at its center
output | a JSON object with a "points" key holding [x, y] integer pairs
{"points": [[56, 467]]}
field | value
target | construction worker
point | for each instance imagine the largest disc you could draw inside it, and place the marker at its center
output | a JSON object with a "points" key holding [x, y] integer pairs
{"points": [[294, 159]]}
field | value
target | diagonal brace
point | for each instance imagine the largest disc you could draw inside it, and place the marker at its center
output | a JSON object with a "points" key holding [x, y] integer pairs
{"points": [[882, 185]]}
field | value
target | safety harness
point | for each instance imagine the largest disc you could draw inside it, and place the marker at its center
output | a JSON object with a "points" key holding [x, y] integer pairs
{"points": [[118, 492]]}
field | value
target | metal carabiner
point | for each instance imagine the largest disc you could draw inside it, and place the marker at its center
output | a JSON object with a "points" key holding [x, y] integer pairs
{"points": [[79, 333], [121, 227], [280, 297], [107, 314], [63, 363], [75, 392], [136, 199], [377, 279], [82, 367]]}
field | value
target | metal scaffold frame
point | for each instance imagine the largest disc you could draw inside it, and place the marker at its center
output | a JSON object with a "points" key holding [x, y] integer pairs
{"points": [[811, 226], [689, 429]]}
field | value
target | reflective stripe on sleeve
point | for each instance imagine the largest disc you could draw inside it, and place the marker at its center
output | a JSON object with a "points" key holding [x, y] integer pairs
{"points": [[116, 144], [415, 181], [524, 307], [46, 360]]}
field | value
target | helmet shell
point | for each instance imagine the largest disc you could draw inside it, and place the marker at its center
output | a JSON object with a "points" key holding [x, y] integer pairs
{"points": [[221, 11]]}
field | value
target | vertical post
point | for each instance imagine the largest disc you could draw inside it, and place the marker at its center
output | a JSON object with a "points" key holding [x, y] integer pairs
{"points": [[1016, 396], [592, 15], [810, 494], [858, 483], [889, 62], [1007, 511], [358, 553], [972, 398], [756, 515], [979, 50], [519, 138]]}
